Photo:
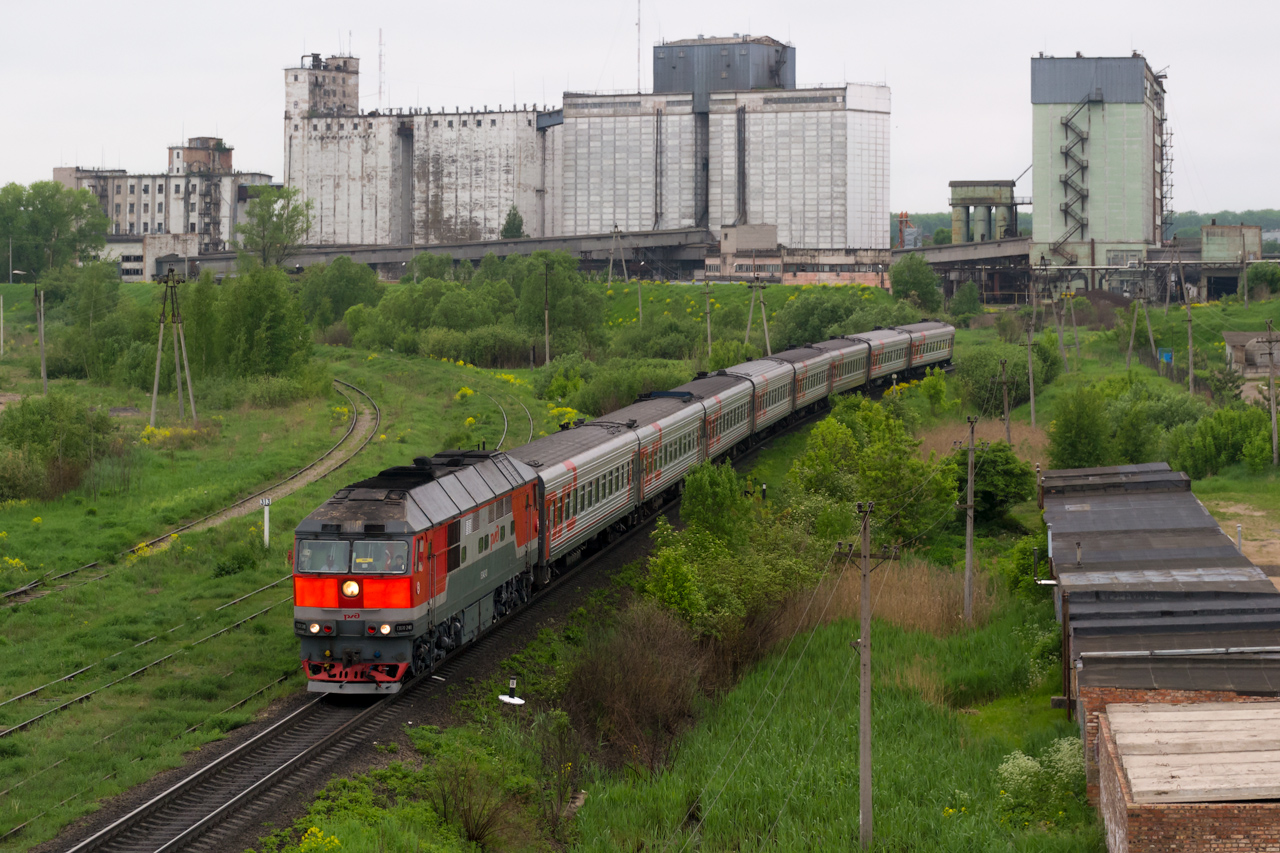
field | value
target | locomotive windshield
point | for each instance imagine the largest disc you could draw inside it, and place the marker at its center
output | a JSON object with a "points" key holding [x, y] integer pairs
{"points": [[325, 556], [382, 557]]}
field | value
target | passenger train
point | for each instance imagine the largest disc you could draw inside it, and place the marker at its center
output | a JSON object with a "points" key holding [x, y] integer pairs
{"points": [[395, 571]]}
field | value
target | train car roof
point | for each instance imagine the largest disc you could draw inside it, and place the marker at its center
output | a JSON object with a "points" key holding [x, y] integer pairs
{"points": [[406, 498], [838, 344], [796, 355], [712, 384], [758, 367], [879, 335], [553, 449], [925, 326]]}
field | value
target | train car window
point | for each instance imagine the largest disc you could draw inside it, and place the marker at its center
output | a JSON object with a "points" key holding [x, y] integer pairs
{"points": [[328, 557], [462, 555], [502, 534], [380, 557]]}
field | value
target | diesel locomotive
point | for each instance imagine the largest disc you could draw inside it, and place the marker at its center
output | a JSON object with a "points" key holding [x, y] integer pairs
{"points": [[395, 571]]}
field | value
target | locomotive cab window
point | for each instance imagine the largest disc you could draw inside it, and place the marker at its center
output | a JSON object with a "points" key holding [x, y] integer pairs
{"points": [[329, 557], [380, 557]]}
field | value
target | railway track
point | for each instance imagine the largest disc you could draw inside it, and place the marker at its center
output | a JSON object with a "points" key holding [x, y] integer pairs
{"points": [[44, 585], [242, 785]]}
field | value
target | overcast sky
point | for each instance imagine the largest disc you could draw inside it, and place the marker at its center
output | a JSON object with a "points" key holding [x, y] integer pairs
{"points": [[115, 83]]}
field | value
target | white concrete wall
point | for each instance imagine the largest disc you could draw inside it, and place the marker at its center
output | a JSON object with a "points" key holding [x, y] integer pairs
{"points": [[867, 110]]}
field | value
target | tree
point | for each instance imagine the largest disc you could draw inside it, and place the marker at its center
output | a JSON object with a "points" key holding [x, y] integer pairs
{"points": [[1078, 436], [714, 499], [912, 279], [942, 237], [967, 300], [513, 228], [1000, 480], [427, 265], [275, 225], [50, 225], [328, 290], [1265, 275]]}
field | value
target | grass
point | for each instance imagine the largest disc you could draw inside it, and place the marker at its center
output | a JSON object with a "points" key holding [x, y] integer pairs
{"points": [[143, 719], [774, 765]]}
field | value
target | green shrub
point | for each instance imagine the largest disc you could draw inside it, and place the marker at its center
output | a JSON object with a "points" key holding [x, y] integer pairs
{"points": [[1001, 479], [1079, 436], [1216, 441], [618, 382], [1048, 791]]}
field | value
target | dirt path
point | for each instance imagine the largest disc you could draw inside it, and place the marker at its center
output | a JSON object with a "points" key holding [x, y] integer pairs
{"points": [[1259, 530], [366, 423]]}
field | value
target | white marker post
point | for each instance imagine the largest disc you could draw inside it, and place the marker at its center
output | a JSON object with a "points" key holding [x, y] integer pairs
{"points": [[266, 521], [510, 697]]}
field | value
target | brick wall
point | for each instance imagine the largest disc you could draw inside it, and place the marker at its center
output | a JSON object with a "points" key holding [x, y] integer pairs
{"points": [[1093, 700], [1180, 827]]}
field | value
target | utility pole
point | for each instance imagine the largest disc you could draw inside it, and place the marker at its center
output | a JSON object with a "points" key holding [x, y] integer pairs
{"points": [[707, 293], [751, 312], [1031, 378], [1008, 432], [1075, 330], [864, 683], [1, 325], [764, 318], [169, 307], [1151, 335], [546, 312], [44, 374], [1272, 340], [1244, 268], [1191, 361], [1133, 332], [968, 532], [1062, 348]]}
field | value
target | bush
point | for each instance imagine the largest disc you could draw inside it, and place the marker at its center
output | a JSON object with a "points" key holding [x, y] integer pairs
{"points": [[1001, 479], [715, 500], [22, 475], [912, 279], [1048, 791], [1214, 442], [979, 371], [1079, 436], [618, 382]]}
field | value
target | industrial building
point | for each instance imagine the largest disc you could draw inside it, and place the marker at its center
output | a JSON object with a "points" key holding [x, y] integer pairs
{"points": [[724, 139], [1098, 159], [199, 194]]}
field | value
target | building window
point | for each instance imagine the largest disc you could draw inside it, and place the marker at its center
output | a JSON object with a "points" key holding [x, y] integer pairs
{"points": [[295, 127], [340, 126], [435, 123], [493, 122], [191, 227], [464, 122], [680, 54], [178, 155], [451, 122], [146, 208], [130, 189], [662, 54], [144, 227], [130, 227], [369, 126], [295, 78], [117, 189], [315, 127], [190, 206], [159, 207], [530, 122], [328, 125], [116, 229], [146, 189], [177, 189], [117, 208], [131, 207], [724, 75]]}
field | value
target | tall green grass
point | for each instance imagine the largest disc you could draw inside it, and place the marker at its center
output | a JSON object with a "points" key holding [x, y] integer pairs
{"points": [[775, 764]]}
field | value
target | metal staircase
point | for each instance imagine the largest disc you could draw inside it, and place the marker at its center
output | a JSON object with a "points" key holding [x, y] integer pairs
{"points": [[1074, 179]]}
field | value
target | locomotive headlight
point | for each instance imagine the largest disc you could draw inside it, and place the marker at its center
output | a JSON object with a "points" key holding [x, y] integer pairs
{"points": [[351, 589], [385, 629], [314, 627]]}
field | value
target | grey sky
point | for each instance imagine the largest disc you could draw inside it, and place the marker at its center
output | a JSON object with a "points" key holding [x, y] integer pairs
{"points": [[114, 84]]}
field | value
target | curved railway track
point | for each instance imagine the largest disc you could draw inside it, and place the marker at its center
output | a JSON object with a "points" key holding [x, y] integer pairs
{"points": [[40, 586], [527, 413], [222, 797], [505, 425]]}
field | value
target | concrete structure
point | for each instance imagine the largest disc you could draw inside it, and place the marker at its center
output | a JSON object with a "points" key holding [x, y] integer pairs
{"points": [[1190, 777], [724, 139], [1098, 137], [752, 253], [412, 176], [1250, 354], [1225, 253], [199, 193], [983, 210]]}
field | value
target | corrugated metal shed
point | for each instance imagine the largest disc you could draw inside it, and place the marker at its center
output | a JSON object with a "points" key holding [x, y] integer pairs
{"points": [[1067, 80]]}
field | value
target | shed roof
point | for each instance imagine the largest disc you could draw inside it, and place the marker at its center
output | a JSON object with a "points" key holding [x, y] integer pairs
{"points": [[1197, 753]]}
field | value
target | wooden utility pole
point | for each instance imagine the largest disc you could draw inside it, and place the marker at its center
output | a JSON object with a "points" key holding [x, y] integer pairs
{"points": [[1244, 268], [1004, 381], [1272, 340], [751, 312], [864, 683], [1062, 348], [1075, 330], [1151, 335], [968, 532], [2, 325], [44, 374], [764, 318], [1031, 377]]}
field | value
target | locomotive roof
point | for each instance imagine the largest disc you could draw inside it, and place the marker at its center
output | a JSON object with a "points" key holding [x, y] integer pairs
{"points": [[406, 498]]}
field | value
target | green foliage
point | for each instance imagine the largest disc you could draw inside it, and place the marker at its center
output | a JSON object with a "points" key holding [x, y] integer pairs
{"points": [[50, 226], [715, 499], [1078, 435], [1019, 570], [275, 224], [1000, 480], [485, 346], [1225, 384], [54, 428], [617, 382], [1010, 327], [823, 313], [942, 237], [728, 353], [513, 227], [1048, 359], [429, 265], [1212, 443], [327, 291], [967, 301], [934, 389], [978, 372], [912, 279], [250, 326], [861, 452], [1265, 275], [661, 336], [1044, 792], [576, 310]]}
